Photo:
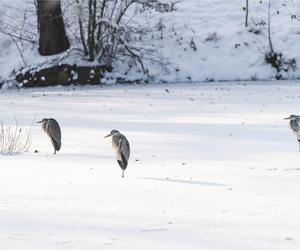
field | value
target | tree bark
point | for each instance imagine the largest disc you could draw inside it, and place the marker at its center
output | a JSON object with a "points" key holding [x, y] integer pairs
{"points": [[269, 28], [53, 38], [91, 28]]}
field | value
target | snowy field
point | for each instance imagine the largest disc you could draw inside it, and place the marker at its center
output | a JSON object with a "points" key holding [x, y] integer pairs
{"points": [[213, 167]]}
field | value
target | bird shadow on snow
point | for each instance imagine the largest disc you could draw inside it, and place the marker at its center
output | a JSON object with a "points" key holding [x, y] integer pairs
{"points": [[81, 155], [204, 183]]}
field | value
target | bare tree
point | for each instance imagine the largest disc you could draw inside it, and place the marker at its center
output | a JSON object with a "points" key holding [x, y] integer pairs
{"points": [[104, 34], [269, 28], [247, 13]]}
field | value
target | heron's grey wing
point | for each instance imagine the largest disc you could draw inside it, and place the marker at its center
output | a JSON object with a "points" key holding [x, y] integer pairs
{"points": [[294, 124], [53, 130], [125, 147]]}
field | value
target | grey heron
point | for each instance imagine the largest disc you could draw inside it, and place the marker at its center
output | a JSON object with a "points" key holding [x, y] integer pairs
{"points": [[295, 126], [121, 147], [52, 129]]}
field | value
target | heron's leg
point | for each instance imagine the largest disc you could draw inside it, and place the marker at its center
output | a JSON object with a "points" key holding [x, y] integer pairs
{"points": [[299, 145], [55, 151], [122, 167]]}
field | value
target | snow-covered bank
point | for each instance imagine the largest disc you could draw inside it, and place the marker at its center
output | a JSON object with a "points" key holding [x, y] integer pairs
{"points": [[221, 49], [225, 48], [213, 167]]}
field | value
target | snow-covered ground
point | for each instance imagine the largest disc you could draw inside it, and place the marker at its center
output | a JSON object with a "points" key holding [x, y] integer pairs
{"points": [[213, 167], [225, 48]]}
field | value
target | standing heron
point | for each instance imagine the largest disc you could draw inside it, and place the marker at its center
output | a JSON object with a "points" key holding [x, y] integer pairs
{"points": [[121, 147], [295, 126], [52, 129]]}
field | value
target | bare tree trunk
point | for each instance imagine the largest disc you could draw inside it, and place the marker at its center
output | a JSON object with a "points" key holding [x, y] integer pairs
{"points": [[53, 38], [91, 28], [247, 13], [81, 30], [269, 28]]}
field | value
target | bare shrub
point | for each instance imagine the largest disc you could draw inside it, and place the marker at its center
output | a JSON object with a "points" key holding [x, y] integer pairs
{"points": [[213, 37], [105, 31], [14, 139]]}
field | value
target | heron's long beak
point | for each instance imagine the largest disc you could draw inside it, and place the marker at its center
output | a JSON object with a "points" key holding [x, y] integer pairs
{"points": [[286, 118], [39, 122], [108, 136]]}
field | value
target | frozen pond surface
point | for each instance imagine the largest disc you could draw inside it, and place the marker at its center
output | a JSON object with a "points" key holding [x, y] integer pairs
{"points": [[213, 167]]}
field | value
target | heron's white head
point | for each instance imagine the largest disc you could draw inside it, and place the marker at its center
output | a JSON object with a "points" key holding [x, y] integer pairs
{"points": [[42, 121], [292, 117], [112, 133]]}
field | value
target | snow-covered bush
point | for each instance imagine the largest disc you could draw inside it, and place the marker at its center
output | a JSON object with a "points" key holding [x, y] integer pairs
{"points": [[213, 37], [280, 63], [14, 139]]}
